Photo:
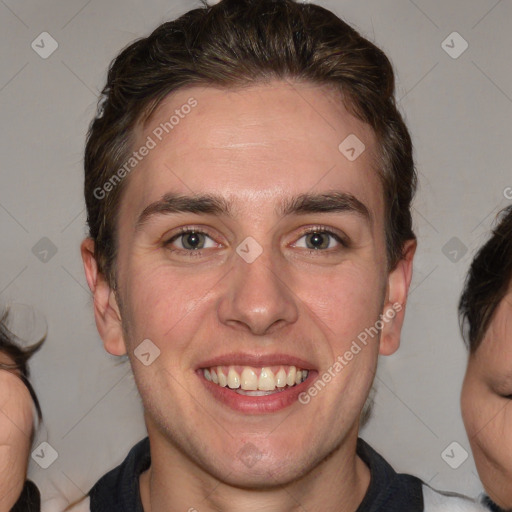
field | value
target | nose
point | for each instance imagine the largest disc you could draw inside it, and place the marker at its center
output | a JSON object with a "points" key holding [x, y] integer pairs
{"points": [[257, 297]]}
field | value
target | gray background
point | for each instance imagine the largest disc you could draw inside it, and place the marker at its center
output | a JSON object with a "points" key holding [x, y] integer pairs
{"points": [[458, 111]]}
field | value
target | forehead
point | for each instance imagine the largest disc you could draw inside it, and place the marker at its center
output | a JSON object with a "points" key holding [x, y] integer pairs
{"points": [[254, 145]]}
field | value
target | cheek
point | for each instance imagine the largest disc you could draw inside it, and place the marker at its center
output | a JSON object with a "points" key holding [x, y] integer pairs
{"points": [[347, 300], [494, 439], [172, 306], [488, 421], [162, 302]]}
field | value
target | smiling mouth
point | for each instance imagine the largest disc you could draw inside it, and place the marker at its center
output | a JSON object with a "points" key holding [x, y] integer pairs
{"points": [[255, 381]]}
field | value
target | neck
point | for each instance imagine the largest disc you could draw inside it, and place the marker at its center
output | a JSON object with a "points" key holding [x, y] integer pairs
{"points": [[175, 483]]}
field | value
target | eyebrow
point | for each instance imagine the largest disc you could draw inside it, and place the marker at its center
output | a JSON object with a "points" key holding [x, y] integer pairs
{"points": [[303, 204]]}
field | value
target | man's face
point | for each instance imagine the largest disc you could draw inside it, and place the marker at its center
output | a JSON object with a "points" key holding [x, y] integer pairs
{"points": [[273, 282], [486, 399]]}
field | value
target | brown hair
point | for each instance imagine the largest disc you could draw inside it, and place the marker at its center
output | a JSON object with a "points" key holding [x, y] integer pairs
{"points": [[236, 43], [487, 282]]}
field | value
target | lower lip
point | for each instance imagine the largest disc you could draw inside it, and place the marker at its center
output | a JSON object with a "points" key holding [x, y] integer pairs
{"points": [[257, 404]]}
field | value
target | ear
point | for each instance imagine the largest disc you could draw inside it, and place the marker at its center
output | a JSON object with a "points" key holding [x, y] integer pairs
{"points": [[106, 310], [399, 280]]}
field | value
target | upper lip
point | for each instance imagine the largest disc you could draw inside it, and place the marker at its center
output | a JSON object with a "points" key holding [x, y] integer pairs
{"points": [[256, 360]]}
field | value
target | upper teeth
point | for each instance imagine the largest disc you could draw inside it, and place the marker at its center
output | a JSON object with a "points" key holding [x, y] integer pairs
{"points": [[247, 378]]}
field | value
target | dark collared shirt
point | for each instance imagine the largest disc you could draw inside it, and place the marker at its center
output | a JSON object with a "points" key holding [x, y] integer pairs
{"points": [[30, 499], [118, 490]]}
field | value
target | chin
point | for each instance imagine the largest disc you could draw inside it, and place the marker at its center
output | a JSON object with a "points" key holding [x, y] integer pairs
{"points": [[262, 478]]}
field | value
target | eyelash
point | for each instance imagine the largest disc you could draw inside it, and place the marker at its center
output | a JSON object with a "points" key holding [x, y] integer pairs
{"points": [[326, 231], [199, 252]]}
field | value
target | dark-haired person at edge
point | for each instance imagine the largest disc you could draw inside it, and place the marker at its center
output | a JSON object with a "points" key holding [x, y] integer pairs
{"points": [[485, 311], [248, 183], [19, 410]]}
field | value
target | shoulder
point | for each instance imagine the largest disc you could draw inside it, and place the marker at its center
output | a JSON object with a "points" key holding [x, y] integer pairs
{"points": [[118, 490], [435, 501], [29, 500], [399, 491]]}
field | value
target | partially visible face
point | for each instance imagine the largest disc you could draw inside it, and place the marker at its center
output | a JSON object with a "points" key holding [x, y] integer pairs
{"points": [[487, 405], [16, 424], [255, 291]]}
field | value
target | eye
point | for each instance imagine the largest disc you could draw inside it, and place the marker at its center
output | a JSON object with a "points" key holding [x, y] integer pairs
{"points": [[319, 239], [191, 240]]}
